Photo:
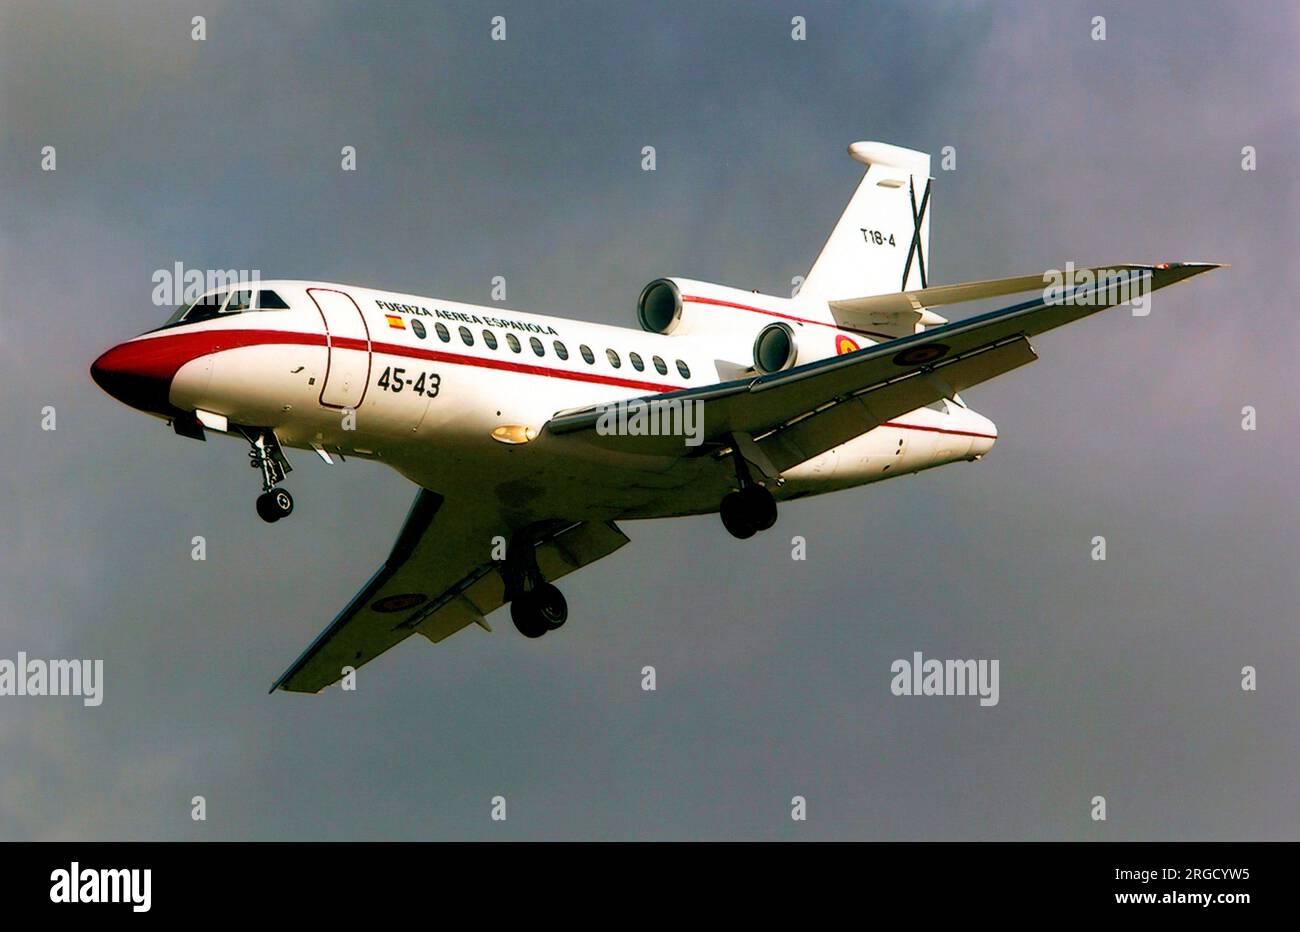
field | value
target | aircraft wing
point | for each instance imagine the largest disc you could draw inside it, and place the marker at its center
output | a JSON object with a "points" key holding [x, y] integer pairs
{"points": [[788, 417], [855, 312], [896, 313], [438, 579]]}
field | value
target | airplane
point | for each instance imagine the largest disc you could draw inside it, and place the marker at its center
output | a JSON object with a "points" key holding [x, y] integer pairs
{"points": [[531, 436]]}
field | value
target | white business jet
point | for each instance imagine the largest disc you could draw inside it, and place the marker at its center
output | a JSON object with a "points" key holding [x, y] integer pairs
{"points": [[530, 436]]}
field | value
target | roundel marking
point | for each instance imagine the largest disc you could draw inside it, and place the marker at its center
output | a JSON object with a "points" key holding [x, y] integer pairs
{"points": [[844, 345], [920, 355], [399, 603]]}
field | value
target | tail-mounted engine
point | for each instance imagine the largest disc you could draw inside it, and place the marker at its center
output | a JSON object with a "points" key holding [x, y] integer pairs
{"points": [[733, 320], [776, 348]]}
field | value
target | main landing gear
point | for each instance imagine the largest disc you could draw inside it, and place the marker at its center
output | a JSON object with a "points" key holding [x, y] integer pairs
{"points": [[749, 509], [539, 610], [536, 606], [266, 455]]}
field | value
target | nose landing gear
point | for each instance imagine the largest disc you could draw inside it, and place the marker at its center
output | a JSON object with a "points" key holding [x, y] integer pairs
{"points": [[267, 455], [536, 606], [274, 505]]}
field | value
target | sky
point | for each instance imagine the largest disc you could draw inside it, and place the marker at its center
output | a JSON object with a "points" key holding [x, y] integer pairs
{"points": [[522, 158]]}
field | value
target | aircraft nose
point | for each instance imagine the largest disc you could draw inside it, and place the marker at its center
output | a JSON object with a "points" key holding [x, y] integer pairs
{"points": [[133, 373]]}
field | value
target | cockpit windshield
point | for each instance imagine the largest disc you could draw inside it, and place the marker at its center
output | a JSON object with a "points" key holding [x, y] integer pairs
{"points": [[220, 303]]}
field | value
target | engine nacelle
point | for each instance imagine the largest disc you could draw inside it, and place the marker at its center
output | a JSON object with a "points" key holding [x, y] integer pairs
{"points": [[732, 319]]}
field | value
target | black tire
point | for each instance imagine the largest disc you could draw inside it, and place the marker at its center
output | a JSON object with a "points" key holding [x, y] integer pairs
{"points": [[737, 516], [762, 506], [550, 605], [266, 508], [528, 620]]}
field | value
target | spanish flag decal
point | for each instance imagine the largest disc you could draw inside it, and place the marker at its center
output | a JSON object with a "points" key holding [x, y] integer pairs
{"points": [[844, 345], [395, 322]]}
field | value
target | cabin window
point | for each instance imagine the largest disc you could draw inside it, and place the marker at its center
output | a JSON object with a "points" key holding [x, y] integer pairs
{"points": [[561, 350], [683, 369], [513, 341], [637, 364], [490, 339], [587, 354], [417, 328], [536, 344], [466, 337], [613, 358], [660, 366], [443, 335]]}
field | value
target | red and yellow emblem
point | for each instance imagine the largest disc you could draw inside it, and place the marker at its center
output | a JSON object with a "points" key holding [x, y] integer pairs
{"points": [[844, 345], [395, 322]]}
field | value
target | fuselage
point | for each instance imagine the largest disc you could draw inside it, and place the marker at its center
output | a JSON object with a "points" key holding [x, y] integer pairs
{"points": [[454, 395]]}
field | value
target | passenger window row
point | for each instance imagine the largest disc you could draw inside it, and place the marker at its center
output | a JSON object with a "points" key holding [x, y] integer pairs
{"points": [[562, 351]]}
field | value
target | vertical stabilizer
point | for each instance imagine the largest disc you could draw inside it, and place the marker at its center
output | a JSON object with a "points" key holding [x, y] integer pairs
{"points": [[881, 243]]}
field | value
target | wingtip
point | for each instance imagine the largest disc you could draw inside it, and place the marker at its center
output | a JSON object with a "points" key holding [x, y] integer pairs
{"points": [[1194, 265]]}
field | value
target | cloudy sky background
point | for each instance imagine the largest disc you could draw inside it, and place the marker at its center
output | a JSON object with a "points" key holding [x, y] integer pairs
{"points": [[521, 159]]}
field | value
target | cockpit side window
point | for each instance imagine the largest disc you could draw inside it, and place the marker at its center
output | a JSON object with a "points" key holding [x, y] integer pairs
{"points": [[223, 302], [270, 301], [205, 308], [176, 316]]}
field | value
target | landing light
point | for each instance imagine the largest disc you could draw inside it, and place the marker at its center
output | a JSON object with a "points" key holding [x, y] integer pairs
{"points": [[211, 420], [513, 433]]}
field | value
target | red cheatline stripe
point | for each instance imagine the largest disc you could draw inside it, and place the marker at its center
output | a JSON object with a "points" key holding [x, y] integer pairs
{"points": [[801, 320], [174, 350], [939, 430], [163, 355]]}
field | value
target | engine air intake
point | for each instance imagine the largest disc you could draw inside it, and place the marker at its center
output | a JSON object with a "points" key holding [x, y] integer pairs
{"points": [[774, 348], [660, 306]]}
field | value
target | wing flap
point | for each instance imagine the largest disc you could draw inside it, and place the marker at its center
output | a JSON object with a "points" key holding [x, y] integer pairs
{"points": [[841, 421], [559, 553], [460, 612]]}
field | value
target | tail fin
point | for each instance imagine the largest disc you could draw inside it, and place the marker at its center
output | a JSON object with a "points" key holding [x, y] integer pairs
{"points": [[882, 241]]}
